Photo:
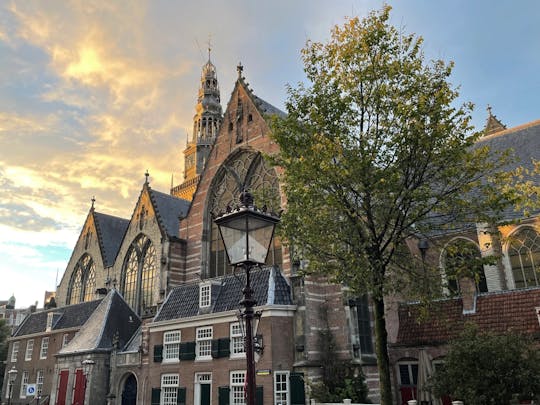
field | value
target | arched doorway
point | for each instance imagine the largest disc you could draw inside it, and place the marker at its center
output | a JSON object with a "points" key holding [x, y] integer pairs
{"points": [[129, 393]]}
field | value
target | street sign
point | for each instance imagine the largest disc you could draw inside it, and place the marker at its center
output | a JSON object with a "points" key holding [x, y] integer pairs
{"points": [[31, 390]]}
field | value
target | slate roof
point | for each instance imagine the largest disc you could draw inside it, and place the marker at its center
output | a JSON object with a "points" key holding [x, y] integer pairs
{"points": [[266, 108], [269, 285], [496, 312], [168, 210], [110, 232], [524, 141], [68, 317], [112, 317]]}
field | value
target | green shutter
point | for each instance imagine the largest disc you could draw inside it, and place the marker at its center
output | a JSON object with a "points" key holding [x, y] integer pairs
{"points": [[156, 396], [298, 393], [181, 396], [224, 345], [187, 351], [259, 395], [158, 353], [215, 348], [223, 395]]}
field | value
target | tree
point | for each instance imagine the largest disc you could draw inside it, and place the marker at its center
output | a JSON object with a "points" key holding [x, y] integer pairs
{"points": [[340, 379], [374, 152], [485, 368]]}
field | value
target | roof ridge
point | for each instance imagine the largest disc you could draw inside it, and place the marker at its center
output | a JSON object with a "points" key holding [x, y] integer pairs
{"points": [[511, 130]]}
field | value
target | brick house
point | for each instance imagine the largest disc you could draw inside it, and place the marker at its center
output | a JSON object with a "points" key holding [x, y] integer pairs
{"points": [[506, 295], [35, 347]]}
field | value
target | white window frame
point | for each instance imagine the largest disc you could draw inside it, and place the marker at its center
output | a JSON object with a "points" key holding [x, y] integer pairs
{"points": [[205, 295], [409, 364], [278, 388], [203, 347], [202, 378], [14, 352], [65, 339], [24, 383], [44, 347], [237, 347], [169, 389], [237, 386], [29, 350], [171, 346], [40, 375]]}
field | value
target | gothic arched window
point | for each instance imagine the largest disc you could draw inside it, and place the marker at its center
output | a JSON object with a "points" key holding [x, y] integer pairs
{"points": [[524, 255], [246, 170], [82, 285], [462, 259], [139, 274]]}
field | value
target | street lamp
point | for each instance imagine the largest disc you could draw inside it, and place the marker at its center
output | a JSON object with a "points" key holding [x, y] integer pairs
{"points": [[247, 233], [87, 368], [12, 375]]}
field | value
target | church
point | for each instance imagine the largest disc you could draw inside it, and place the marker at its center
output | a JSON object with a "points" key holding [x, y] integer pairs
{"points": [[147, 309]]}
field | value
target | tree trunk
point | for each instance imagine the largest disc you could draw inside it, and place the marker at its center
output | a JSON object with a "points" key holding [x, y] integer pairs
{"points": [[381, 348]]}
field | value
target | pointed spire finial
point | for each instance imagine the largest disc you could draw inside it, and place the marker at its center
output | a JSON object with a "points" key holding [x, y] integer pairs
{"points": [[209, 46], [239, 69], [493, 124], [146, 175], [93, 201]]}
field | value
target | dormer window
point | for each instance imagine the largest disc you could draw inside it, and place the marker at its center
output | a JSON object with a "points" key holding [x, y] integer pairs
{"points": [[50, 317], [205, 295]]}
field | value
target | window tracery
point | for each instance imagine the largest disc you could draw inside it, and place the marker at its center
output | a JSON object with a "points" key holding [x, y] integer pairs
{"points": [[246, 170], [524, 256], [82, 285], [463, 259], [139, 274]]}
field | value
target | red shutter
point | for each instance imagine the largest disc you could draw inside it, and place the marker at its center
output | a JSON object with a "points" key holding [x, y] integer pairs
{"points": [[62, 387], [79, 390]]}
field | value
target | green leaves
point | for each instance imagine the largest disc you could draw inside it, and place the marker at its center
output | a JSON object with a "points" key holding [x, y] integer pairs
{"points": [[484, 368]]}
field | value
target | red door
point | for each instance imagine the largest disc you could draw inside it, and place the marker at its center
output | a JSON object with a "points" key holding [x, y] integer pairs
{"points": [[62, 387], [80, 388]]}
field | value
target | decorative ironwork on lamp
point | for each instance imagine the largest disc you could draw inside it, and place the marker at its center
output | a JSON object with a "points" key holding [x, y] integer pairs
{"points": [[247, 233]]}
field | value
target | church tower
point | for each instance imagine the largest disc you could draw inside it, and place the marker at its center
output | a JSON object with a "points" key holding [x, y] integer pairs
{"points": [[206, 123]]}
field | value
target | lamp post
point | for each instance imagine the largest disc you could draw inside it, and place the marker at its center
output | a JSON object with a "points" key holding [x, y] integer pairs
{"points": [[87, 368], [247, 233], [12, 375]]}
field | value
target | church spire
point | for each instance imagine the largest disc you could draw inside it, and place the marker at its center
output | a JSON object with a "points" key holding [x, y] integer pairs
{"points": [[206, 122]]}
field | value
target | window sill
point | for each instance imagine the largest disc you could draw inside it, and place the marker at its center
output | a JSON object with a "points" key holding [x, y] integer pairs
{"points": [[171, 361], [201, 359]]}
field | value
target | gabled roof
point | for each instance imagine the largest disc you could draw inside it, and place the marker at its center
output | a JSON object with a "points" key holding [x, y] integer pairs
{"points": [[110, 231], [268, 284], [496, 312], [168, 210], [264, 107], [113, 320], [70, 316]]}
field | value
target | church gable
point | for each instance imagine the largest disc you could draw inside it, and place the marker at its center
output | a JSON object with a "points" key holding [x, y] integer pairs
{"points": [[85, 264], [234, 163]]}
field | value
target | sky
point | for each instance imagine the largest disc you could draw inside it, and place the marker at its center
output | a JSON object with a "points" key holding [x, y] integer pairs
{"points": [[95, 92]]}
